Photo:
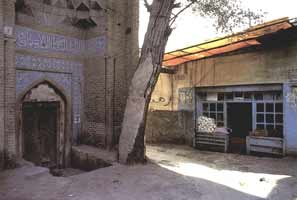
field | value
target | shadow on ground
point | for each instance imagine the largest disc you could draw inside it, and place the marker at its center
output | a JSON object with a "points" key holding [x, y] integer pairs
{"points": [[157, 180]]}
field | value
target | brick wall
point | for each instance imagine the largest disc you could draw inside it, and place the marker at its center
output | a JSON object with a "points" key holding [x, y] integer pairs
{"points": [[108, 77], [123, 57], [94, 102], [95, 78], [63, 64], [2, 132], [7, 105]]}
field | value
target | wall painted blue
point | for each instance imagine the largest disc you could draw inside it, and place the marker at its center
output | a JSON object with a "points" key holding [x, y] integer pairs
{"points": [[290, 121]]}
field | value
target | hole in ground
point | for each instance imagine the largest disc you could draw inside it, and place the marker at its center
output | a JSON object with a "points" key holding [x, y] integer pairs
{"points": [[80, 164]]}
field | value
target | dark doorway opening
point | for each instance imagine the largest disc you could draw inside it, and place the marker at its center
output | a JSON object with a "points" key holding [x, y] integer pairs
{"points": [[240, 120], [40, 127]]}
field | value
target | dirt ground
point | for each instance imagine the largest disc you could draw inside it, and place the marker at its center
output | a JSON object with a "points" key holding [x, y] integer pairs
{"points": [[173, 173]]}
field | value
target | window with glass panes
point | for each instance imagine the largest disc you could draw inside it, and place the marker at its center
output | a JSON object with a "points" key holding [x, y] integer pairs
{"points": [[214, 111], [269, 116]]}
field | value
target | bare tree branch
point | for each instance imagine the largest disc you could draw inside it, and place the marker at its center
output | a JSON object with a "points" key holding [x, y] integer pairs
{"points": [[147, 5], [173, 19]]}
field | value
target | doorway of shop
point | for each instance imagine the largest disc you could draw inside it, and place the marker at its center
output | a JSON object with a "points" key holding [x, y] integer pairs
{"points": [[240, 120]]}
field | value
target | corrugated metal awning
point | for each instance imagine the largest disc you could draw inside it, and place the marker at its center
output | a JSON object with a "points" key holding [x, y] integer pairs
{"points": [[227, 44]]}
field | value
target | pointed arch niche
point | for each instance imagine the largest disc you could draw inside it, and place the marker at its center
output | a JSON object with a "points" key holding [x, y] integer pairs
{"points": [[44, 121]]}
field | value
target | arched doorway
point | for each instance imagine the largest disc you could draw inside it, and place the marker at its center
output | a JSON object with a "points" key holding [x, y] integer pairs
{"points": [[43, 126]]}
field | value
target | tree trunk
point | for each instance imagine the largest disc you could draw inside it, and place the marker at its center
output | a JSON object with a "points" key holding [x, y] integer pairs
{"points": [[132, 145]]}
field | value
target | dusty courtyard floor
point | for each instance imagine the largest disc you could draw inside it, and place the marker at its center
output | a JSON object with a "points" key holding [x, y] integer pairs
{"points": [[173, 173]]}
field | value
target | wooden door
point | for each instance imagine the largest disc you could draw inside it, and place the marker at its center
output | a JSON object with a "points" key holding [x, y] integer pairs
{"points": [[40, 126]]}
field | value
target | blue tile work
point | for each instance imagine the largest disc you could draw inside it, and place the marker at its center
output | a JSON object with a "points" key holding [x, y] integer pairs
{"points": [[48, 64], [68, 74], [27, 38], [26, 78]]}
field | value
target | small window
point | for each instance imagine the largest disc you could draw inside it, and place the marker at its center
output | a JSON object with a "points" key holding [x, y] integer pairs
{"points": [[220, 116], [278, 96], [260, 118], [238, 96], [260, 107], [213, 107], [269, 127], [213, 116], [221, 96], [260, 127], [268, 96], [229, 96], [220, 107], [269, 118], [279, 118], [214, 111], [269, 107], [279, 107], [258, 96], [248, 96]]}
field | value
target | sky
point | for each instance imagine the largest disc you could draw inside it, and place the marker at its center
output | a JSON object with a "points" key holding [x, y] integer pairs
{"points": [[190, 29]]}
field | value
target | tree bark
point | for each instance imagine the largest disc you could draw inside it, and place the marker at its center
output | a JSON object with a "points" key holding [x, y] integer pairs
{"points": [[132, 144]]}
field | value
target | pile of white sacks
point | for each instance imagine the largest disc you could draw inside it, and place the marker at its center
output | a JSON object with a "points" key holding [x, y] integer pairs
{"points": [[206, 125]]}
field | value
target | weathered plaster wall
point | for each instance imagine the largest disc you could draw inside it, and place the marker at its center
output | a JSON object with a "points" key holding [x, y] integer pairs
{"points": [[169, 127], [165, 127], [275, 65]]}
